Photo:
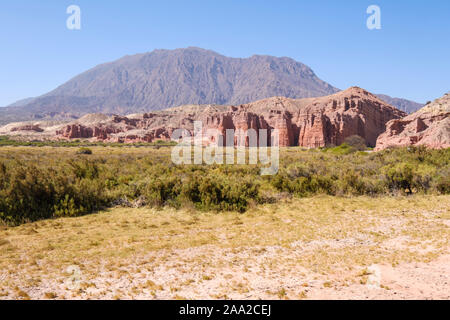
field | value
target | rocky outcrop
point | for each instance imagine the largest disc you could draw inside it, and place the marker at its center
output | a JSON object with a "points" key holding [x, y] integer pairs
{"points": [[318, 122], [28, 127], [430, 126], [311, 122]]}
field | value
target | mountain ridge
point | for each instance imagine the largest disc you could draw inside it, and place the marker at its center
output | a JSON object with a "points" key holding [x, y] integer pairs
{"points": [[167, 78], [161, 79], [405, 105]]}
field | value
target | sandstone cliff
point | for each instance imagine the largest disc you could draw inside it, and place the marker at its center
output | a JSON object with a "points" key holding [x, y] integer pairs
{"points": [[310, 122], [318, 122], [430, 126]]}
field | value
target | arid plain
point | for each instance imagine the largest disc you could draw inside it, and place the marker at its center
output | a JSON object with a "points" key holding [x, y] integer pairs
{"points": [[345, 246]]}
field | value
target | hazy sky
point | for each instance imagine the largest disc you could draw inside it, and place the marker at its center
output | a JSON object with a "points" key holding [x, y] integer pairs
{"points": [[409, 57]]}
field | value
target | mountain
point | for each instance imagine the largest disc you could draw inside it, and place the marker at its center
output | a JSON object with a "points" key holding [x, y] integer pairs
{"points": [[407, 106], [429, 126], [22, 102], [308, 122], [168, 78]]}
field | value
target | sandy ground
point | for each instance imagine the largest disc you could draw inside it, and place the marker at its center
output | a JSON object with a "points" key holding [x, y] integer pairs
{"points": [[397, 254], [405, 281], [248, 274]]}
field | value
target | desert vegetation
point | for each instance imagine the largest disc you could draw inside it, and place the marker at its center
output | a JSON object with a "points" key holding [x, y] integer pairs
{"points": [[317, 229], [26, 142], [50, 182]]}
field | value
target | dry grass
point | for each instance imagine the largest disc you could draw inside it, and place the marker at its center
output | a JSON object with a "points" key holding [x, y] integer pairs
{"points": [[167, 253]]}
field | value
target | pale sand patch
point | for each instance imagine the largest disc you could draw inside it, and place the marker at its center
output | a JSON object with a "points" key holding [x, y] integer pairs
{"points": [[304, 249], [210, 272], [406, 281]]}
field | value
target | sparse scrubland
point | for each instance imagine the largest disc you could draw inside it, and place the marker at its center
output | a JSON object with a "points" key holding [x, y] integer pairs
{"points": [[49, 182], [317, 229]]}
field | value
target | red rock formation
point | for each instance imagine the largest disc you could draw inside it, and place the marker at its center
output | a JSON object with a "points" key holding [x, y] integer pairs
{"points": [[318, 122], [329, 120], [29, 127], [430, 126], [312, 122], [76, 131]]}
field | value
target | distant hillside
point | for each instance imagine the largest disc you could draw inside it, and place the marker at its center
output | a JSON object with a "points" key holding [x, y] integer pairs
{"points": [[21, 102], [407, 106], [167, 78]]}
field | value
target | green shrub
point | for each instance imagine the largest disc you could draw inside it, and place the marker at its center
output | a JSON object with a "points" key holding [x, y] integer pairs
{"points": [[442, 181], [163, 190], [343, 149], [400, 177], [356, 142], [84, 150], [39, 185], [224, 193]]}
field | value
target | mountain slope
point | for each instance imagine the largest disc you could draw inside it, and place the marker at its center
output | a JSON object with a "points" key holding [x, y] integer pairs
{"points": [[405, 105], [21, 102], [167, 78]]}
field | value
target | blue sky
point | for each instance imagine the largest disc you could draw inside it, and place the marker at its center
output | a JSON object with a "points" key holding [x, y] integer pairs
{"points": [[409, 57]]}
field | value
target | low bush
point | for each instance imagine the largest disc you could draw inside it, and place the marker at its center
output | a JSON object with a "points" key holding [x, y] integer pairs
{"points": [[84, 150], [356, 142], [38, 184], [343, 149]]}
